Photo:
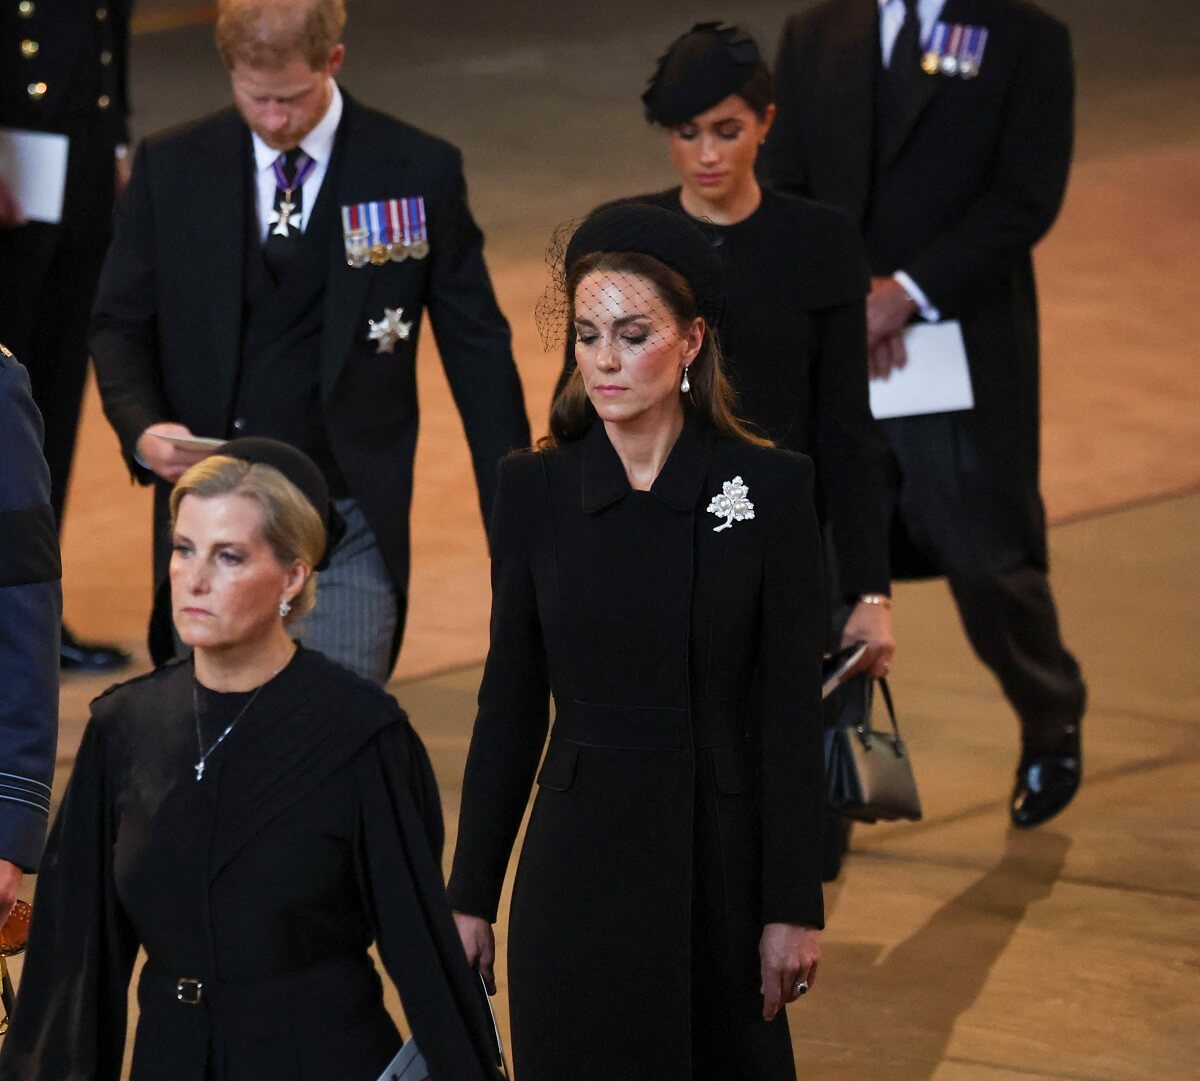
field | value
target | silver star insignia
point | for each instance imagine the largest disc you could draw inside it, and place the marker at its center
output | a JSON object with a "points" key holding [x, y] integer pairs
{"points": [[389, 330], [281, 218]]}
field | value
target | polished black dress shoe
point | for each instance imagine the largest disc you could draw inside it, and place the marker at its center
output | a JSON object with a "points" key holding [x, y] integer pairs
{"points": [[77, 656], [1046, 782]]}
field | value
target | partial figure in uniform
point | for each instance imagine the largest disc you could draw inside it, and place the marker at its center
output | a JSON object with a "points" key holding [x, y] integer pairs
{"points": [[63, 73], [657, 568], [30, 610], [288, 305], [945, 130], [254, 817]]}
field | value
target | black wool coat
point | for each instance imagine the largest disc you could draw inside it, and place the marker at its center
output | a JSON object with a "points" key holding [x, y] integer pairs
{"points": [[679, 802], [968, 180], [266, 881]]}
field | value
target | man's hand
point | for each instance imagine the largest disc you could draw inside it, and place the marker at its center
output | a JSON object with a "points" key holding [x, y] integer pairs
{"points": [[121, 172], [889, 310], [10, 882], [167, 461], [479, 944], [886, 356], [787, 952], [871, 623], [10, 209]]}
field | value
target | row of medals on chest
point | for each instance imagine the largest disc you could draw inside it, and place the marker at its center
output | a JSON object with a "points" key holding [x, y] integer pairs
{"points": [[359, 251]]}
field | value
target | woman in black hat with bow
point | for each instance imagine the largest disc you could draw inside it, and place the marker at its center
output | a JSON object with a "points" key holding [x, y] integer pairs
{"points": [[253, 817], [657, 568], [793, 335]]}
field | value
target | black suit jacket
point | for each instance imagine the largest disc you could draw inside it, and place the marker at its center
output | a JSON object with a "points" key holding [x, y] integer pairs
{"points": [[167, 327], [30, 610], [968, 182]]}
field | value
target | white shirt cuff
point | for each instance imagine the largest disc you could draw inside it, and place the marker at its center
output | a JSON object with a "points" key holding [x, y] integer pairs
{"points": [[927, 311]]}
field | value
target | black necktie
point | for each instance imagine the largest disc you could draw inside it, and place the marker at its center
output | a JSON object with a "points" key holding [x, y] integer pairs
{"points": [[906, 52], [283, 233]]}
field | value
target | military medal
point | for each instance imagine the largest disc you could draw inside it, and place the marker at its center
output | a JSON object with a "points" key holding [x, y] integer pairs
{"points": [[280, 217], [949, 60], [972, 54], [931, 62], [356, 237], [414, 227], [397, 248]]}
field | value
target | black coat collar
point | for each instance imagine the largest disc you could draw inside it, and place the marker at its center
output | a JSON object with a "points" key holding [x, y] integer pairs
{"points": [[678, 485]]}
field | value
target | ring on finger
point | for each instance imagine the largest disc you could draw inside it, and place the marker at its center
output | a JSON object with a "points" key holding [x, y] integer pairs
{"points": [[800, 987]]}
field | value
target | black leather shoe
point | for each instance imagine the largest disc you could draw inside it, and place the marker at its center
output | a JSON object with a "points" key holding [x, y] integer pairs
{"points": [[77, 656], [1046, 782]]}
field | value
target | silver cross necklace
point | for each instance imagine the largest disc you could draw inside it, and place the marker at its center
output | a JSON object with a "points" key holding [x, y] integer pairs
{"points": [[204, 754]]}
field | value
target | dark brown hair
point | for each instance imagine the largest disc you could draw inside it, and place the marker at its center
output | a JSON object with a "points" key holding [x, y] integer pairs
{"points": [[711, 397], [759, 91]]}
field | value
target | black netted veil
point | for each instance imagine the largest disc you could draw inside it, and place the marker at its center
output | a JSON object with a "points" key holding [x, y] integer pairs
{"points": [[673, 239]]}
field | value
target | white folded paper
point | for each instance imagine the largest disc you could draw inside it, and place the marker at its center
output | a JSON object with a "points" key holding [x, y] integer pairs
{"points": [[936, 378], [408, 1065], [34, 165]]}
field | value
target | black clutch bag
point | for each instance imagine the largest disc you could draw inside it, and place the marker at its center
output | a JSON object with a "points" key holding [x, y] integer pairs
{"points": [[868, 771]]}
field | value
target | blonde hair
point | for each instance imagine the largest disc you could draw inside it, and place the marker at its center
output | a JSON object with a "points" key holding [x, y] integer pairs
{"points": [[291, 524], [711, 395], [269, 33]]}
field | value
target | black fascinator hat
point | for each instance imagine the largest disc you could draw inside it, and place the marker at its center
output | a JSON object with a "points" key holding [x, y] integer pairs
{"points": [[671, 238], [700, 69], [302, 471]]}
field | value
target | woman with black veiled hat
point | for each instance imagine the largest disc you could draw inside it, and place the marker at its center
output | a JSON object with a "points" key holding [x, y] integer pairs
{"points": [[657, 568], [793, 335], [253, 817]]}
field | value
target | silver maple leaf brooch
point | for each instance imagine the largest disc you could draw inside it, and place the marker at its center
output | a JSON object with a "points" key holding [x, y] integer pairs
{"points": [[732, 504]]}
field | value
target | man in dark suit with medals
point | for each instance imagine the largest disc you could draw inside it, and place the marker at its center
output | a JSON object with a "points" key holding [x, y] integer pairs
{"points": [[268, 275], [30, 610], [945, 128], [62, 74]]}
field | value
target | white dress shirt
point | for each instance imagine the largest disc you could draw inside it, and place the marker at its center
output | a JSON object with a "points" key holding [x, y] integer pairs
{"points": [[318, 145], [891, 18]]}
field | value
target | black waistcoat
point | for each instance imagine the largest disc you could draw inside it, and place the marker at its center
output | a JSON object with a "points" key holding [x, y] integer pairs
{"points": [[278, 392]]}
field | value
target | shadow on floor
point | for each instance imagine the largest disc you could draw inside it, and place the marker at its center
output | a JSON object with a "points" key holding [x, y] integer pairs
{"points": [[901, 1006]]}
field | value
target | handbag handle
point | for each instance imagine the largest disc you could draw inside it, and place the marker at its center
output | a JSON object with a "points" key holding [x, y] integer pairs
{"points": [[863, 732]]}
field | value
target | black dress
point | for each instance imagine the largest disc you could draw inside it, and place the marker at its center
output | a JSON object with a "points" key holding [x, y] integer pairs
{"points": [[255, 892], [679, 803], [793, 337]]}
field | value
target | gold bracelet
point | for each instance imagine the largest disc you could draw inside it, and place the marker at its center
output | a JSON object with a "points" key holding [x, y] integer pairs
{"points": [[876, 598]]}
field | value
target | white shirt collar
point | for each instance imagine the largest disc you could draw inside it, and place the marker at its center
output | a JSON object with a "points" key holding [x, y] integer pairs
{"points": [[317, 144]]}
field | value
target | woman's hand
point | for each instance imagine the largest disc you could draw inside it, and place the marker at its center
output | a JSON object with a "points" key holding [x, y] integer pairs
{"points": [[788, 953], [871, 623], [479, 944]]}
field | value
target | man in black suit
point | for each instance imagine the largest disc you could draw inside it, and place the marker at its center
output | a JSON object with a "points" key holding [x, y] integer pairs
{"points": [[268, 275], [945, 129], [62, 71], [30, 610]]}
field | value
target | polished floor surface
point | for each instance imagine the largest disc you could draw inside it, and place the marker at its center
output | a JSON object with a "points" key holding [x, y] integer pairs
{"points": [[956, 949]]}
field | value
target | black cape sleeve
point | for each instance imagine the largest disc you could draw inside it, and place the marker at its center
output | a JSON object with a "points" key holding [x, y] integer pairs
{"points": [[402, 835], [69, 1022]]}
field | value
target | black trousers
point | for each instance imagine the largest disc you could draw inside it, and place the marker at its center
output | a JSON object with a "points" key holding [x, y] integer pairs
{"points": [[48, 278], [986, 534]]}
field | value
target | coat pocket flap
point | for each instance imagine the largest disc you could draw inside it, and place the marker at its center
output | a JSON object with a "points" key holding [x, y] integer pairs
{"points": [[558, 769], [730, 771]]}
